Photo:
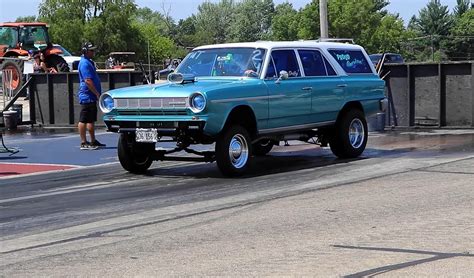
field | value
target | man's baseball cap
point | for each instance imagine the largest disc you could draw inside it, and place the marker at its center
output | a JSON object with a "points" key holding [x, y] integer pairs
{"points": [[89, 46]]}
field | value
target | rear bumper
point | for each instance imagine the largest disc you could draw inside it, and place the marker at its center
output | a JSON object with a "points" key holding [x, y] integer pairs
{"points": [[384, 105]]}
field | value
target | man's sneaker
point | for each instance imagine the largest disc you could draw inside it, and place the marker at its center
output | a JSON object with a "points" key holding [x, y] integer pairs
{"points": [[88, 146], [97, 144]]}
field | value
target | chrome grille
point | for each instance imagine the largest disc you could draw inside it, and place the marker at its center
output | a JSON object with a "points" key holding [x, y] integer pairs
{"points": [[150, 112], [151, 103]]}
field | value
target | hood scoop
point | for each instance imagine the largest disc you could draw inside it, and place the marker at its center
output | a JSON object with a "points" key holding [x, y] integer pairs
{"points": [[179, 78]]}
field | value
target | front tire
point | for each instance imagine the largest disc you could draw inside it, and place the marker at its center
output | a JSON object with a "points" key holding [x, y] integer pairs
{"points": [[349, 138], [134, 157], [234, 151]]}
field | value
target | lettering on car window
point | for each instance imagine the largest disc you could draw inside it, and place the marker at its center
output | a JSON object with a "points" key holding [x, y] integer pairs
{"points": [[352, 61]]}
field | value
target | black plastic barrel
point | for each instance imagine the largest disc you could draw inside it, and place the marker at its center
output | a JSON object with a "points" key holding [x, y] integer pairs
{"points": [[10, 118]]}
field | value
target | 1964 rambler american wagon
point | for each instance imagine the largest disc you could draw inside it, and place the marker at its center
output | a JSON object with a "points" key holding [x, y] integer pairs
{"points": [[246, 98]]}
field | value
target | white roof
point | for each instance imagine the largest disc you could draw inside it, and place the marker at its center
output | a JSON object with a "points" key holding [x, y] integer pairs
{"points": [[282, 44]]}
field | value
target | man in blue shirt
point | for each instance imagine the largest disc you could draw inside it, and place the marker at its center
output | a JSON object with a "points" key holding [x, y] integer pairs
{"points": [[89, 92]]}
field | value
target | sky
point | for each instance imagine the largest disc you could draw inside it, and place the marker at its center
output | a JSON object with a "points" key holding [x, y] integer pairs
{"points": [[179, 9]]}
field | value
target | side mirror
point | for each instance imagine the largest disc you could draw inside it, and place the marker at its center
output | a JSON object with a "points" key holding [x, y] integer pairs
{"points": [[283, 76]]}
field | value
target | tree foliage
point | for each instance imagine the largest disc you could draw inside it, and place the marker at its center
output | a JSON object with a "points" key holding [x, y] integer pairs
{"points": [[257, 12], [284, 23], [31, 18], [213, 22], [119, 25]]}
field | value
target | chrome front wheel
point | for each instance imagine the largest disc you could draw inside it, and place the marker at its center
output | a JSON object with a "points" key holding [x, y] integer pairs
{"points": [[238, 151], [233, 151]]}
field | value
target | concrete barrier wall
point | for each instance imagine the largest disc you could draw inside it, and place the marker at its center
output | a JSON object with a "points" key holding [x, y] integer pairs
{"points": [[423, 94], [432, 94], [54, 96]]}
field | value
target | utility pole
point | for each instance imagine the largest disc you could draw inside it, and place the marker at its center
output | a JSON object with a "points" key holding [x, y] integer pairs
{"points": [[323, 18]]}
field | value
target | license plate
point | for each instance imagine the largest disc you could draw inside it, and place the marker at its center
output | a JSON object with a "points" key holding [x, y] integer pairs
{"points": [[146, 135]]}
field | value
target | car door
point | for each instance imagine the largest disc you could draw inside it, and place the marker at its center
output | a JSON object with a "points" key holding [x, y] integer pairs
{"points": [[289, 99], [327, 88]]}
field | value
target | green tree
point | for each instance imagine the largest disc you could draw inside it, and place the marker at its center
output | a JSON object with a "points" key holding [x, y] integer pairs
{"points": [[186, 32], [388, 35], [112, 30], [462, 6], [358, 20], [434, 19], [308, 21], [432, 27], [285, 23], [30, 18], [147, 16], [252, 20], [461, 45], [213, 22]]}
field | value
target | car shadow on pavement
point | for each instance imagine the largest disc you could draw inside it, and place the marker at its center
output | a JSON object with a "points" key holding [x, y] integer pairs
{"points": [[275, 162], [434, 256]]}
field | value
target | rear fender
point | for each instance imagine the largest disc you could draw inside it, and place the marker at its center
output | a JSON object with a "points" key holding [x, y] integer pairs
{"points": [[15, 53], [52, 51]]}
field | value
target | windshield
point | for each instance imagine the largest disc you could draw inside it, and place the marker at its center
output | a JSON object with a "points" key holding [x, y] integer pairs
{"points": [[63, 50], [33, 35], [223, 62], [375, 58], [8, 36]]}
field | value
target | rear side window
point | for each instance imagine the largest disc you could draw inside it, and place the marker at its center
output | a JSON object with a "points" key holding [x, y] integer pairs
{"points": [[330, 69], [312, 61], [284, 60], [352, 61]]}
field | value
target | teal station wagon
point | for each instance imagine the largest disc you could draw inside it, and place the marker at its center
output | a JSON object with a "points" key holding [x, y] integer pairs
{"points": [[246, 98]]}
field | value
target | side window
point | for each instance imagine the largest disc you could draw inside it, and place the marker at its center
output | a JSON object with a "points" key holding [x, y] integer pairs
{"points": [[352, 61], [329, 68], [312, 61], [271, 73], [286, 60]]}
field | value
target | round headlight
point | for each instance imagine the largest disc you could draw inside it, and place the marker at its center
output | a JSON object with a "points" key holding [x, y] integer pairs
{"points": [[106, 103], [197, 102]]}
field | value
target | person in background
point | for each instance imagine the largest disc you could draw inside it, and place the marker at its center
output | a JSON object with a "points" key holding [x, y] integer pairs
{"points": [[89, 93]]}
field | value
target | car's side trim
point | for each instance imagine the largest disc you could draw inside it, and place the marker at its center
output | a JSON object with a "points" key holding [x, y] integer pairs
{"points": [[295, 127], [246, 98]]}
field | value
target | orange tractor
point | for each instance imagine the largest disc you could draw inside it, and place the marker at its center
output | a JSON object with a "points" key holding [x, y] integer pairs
{"points": [[18, 41]]}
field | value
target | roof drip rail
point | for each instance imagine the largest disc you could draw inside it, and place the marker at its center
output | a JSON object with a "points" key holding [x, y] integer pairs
{"points": [[340, 40]]}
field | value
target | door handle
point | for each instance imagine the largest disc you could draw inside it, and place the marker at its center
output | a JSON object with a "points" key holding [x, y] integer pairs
{"points": [[307, 88], [342, 85]]}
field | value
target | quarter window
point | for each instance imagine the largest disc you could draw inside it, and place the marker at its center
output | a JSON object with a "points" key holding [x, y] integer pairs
{"points": [[283, 60], [313, 63], [352, 61]]}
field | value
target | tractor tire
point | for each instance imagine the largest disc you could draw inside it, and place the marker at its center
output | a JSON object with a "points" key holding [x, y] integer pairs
{"points": [[57, 62], [16, 68]]}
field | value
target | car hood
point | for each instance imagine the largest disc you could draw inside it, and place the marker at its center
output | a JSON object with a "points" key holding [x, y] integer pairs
{"points": [[180, 90], [70, 59]]}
